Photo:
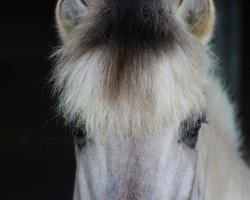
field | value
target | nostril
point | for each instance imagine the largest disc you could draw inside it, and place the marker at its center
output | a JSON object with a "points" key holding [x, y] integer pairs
{"points": [[180, 2], [84, 2]]}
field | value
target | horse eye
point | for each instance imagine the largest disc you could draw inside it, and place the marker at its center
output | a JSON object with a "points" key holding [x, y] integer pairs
{"points": [[80, 138], [190, 132]]}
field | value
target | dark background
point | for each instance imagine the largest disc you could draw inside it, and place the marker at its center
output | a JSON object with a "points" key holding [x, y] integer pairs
{"points": [[36, 153]]}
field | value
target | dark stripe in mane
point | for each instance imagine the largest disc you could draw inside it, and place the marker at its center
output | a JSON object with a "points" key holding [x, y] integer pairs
{"points": [[141, 24], [132, 31]]}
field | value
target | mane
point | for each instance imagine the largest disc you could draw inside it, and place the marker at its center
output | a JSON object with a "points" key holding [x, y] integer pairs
{"points": [[111, 79]]}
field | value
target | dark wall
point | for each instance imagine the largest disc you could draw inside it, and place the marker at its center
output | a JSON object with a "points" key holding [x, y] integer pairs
{"points": [[245, 82], [232, 48], [36, 154]]}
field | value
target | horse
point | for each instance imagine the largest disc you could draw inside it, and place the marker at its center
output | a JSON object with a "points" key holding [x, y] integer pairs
{"points": [[136, 82]]}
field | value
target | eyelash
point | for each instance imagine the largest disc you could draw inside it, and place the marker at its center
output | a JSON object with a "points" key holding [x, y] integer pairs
{"points": [[193, 131], [190, 131]]}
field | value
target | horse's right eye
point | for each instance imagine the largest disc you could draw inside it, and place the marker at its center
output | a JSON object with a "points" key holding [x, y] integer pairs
{"points": [[80, 138]]}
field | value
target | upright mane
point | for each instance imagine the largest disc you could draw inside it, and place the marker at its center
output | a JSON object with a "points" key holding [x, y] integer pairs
{"points": [[119, 63]]}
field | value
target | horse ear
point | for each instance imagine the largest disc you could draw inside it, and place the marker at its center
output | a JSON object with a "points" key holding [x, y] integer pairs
{"points": [[68, 15], [200, 16]]}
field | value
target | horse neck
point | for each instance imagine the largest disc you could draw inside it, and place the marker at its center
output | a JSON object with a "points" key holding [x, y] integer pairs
{"points": [[225, 175]]}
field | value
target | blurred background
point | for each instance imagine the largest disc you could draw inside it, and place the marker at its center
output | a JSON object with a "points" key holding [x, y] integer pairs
{"points": [[36, 151]]}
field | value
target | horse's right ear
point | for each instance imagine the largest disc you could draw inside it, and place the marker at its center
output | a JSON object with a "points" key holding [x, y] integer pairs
{"points": [[200, 17], [68, 15]]}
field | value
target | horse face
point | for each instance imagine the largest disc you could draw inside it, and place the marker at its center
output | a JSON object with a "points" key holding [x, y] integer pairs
{"points": [[160, 166], [132, 79]]}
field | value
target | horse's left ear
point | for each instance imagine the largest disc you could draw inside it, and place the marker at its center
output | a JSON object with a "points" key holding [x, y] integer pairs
{"points": [[200, 17], [68, 15]]}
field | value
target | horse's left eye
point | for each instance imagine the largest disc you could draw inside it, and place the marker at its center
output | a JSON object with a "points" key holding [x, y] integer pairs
{"points": [[190, 132]]}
